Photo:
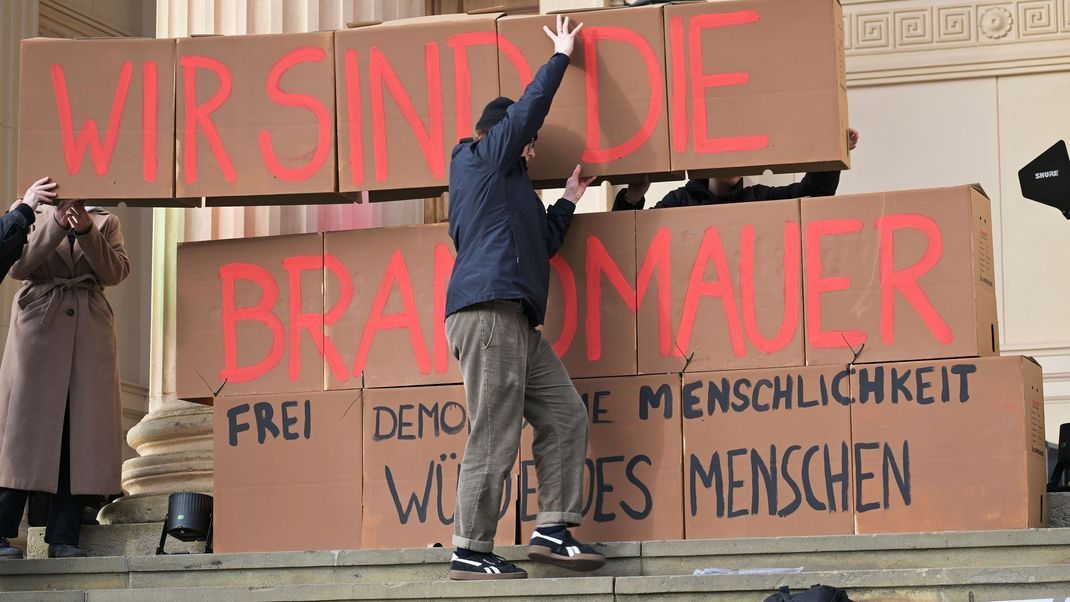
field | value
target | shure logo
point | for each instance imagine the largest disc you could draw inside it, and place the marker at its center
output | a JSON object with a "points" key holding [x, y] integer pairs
{"points": [[1047, 174]]}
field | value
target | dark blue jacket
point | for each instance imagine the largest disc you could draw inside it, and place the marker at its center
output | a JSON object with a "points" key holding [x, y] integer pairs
{"points": [[503, 234], [14, 229], [697, 192]]}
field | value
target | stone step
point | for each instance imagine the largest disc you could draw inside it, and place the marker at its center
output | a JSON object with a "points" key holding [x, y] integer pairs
{"points": [[984, 584], [975, 550]]}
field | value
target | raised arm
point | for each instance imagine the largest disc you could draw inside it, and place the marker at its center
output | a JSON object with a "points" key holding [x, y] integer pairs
{"points": [[104, 248], [42, 242], [559, 215], [506, 140]]}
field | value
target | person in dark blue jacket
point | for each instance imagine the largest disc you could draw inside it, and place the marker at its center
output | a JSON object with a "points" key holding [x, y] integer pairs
{"points": [[496, 298], [15, 226]]}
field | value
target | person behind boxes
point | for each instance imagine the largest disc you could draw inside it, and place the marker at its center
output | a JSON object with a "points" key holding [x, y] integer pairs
{"points": [[495, 300], [717, 191], [60, 410]]}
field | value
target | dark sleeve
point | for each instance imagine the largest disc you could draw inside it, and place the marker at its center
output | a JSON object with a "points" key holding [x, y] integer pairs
{"points": [[558, 218], [504, 142], [620, 202], [821, 183], [14, 229], [675, 198]]}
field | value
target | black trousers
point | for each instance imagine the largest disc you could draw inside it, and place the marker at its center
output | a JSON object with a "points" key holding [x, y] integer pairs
{"points": [[65, 510]]}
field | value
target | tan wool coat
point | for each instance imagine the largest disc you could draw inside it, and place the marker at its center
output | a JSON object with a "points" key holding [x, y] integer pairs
{"points": [[62, 338]]}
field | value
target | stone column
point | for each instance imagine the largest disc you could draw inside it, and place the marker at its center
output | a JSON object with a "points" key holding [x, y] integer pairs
{"points": [[174, 441]]}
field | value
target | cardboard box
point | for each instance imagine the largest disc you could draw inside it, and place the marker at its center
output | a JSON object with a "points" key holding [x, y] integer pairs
{"points": [[98, 117], [610, 112], [954, 445], [731, 298], [414, 441], [385, 307], [287, 472], [632, 480], [756, 85], [767, 453], [256, 118], [407, 91], [240, 331], [909, 274], [590, 314]]}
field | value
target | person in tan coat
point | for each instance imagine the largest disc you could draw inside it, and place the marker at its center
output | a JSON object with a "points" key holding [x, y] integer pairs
{"points": [[60, 407]]}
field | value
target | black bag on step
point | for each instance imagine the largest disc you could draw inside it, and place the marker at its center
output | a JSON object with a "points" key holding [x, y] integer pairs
{"points": [[816, 593]]}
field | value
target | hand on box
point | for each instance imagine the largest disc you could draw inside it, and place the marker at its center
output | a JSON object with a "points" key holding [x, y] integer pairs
{"points": [[41, 190], [564, 40], [635, 192], [852, 139], [576, 186]]}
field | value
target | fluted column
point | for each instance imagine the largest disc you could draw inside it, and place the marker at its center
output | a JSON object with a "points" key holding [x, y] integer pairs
{"points": [[174, 441]]}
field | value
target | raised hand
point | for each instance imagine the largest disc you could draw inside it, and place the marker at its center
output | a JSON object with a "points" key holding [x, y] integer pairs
{"points": [[637, 190], [78, 218], [564, 40], [576, 186], [41, 190]]}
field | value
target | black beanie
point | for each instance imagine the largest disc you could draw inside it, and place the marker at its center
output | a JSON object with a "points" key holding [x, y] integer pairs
{"points": [[493, 113]]}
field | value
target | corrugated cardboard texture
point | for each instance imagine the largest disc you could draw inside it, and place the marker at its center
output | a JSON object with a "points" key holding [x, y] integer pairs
{"points": [[287, 472], [254, 321], [973, 431], [260, 145], [386, 302], [406, 94], [590, 315], [734, 289], [70, 94], [767, 453], [617, 68], [740, 103], [863, 255], [414, 440], [632, 481]]}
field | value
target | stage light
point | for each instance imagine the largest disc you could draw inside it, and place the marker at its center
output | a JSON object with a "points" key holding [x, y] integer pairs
{"points": [[189, 518]]}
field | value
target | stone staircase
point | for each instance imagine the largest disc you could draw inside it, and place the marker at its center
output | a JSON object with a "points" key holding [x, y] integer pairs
{"points": [[978, 566]]}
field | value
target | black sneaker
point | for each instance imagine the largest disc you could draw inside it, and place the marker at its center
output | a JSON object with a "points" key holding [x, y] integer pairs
{"points": [[66, 551], [8, 551], [467, 565], [557, 546]]}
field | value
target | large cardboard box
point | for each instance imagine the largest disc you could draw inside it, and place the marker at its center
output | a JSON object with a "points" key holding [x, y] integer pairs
{"points": [[385, 307], [757, 85], [98, 117], [287, 472], [590, 314], [909, 274], [632, 479], [414, 440], [954, 445], [256, 119], [408, 91], [250, 317], [767, 453], [723, 287], [610, 112]]}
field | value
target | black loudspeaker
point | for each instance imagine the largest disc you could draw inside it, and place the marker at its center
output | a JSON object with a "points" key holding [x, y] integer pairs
{"points": [[1060, 477], [1047, 178], [189, 518]]}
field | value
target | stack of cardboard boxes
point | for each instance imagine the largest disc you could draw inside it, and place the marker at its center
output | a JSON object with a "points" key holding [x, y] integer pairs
{"points": [[800, 367], [807, 366]]}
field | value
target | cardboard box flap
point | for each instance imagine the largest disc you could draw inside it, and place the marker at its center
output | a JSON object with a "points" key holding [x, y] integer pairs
{"points": [[435, 19], [977, 186], [358, 24]]}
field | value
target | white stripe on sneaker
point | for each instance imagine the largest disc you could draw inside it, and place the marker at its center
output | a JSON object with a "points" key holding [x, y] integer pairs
{"points": [[469, 562], [487, 569], [573, 551], [548, 538]]}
